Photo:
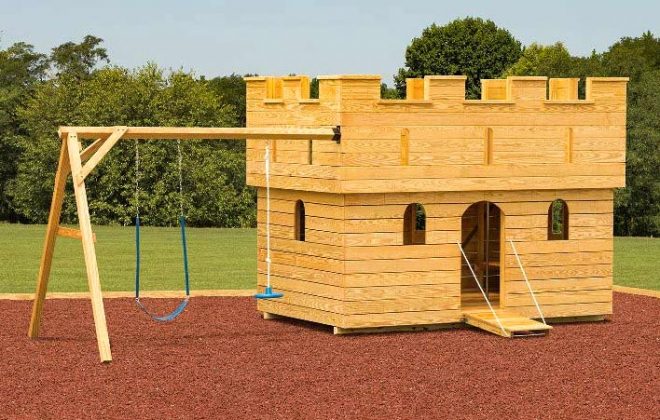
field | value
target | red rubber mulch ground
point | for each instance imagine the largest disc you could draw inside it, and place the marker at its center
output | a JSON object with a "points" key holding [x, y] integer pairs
{"points": [[221, 360]]}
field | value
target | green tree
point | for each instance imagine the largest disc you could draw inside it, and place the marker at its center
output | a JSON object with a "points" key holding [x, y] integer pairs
{"points": [[633, 57], [547, 60], [214, 183], [637, 207], [231, 90], [473, 47], [59, 103], [21, 69], [78, 60]]}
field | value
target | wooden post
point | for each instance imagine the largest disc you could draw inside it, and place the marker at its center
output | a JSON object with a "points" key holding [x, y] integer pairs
{"points": [[63, 169], [405, 146], [482, 258], [504, 285], [89, 251], [568, 148], [488, 146]]}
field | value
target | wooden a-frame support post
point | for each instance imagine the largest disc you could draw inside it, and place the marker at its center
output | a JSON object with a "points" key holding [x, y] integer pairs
{"points": [[70, 162]]}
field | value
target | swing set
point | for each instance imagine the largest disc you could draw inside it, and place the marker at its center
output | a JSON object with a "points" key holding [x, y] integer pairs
{"points": [[79, 162], [184, 245]]}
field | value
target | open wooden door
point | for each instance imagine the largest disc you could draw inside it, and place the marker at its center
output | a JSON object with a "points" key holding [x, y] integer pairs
{"points": [[481, 227]]}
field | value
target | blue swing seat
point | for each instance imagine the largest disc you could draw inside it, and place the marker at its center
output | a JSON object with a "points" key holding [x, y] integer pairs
{"points": [[268, 294], [167, 317], [184, 303]]}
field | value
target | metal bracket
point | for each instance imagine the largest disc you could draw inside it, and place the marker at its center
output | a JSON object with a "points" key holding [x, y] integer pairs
{"points": [[337, 136]]}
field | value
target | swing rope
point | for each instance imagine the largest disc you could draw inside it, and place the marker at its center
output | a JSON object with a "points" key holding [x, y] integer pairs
{"points": [[268, 293], [182, 223]]}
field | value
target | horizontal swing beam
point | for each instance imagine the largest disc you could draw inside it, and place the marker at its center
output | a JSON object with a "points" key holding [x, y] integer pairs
{"points": [[207, 133]]}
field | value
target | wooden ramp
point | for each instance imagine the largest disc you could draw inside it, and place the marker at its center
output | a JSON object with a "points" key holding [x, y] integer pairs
{"points": [[513, 324]]}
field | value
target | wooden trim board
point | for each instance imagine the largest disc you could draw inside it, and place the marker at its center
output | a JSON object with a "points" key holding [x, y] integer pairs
{"points": [[155, 294], [636, 291]]}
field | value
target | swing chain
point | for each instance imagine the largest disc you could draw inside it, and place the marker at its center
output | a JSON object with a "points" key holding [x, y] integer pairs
{"points": [[180, 156], [137, 179]]}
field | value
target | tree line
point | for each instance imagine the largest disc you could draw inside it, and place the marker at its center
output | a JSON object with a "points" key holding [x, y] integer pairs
{"points": [[76, 84]]}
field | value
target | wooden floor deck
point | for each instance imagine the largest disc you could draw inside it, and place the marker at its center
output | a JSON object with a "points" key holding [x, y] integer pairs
{"points": [[511, 324]]}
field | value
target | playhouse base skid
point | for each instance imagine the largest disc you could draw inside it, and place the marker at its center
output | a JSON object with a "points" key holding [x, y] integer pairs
{"points": [[396, 328], [571, 319], [315, 316]]}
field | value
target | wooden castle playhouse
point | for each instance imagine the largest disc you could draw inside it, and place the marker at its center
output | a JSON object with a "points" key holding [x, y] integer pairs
{"points": [[434, 209], [416, 213]]}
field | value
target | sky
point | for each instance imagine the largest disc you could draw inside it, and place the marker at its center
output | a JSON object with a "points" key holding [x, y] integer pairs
{"points": [[215, 37]]}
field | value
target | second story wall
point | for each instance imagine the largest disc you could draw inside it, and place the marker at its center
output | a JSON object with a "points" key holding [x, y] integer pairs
{"points": [[525, 133]]}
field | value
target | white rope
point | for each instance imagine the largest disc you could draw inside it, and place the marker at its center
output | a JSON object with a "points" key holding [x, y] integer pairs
{"points": [[180, 155], [529, 286], [137, 179], [482, 290], [267, 159]]}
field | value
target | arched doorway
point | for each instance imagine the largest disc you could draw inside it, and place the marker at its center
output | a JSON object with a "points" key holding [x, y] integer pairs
{"points": [[481, 227]]}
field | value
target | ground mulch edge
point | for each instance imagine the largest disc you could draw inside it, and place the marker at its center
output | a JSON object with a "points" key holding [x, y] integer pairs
{"points": [[168, 294]]}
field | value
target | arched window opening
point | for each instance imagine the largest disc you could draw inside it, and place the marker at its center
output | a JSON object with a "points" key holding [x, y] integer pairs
{"points": [[558, 220], [414, 225], [299, 222]]}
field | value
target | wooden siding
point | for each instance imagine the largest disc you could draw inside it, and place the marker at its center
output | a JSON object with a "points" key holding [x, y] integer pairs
{"points": [[354, 272]]}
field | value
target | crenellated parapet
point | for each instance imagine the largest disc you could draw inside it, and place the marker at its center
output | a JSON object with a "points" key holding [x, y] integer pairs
{"points": [[341, 89], [525, 132]]}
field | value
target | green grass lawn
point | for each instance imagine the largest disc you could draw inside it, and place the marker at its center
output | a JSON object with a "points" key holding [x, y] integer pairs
{"points": [[219, 259], [637, 262]]}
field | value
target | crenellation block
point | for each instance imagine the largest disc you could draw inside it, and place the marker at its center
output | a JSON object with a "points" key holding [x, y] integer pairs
{"points": [[358, 87], [414, 89], [607, 89], [274, 87], [493, 89], [564, 89], [437, 88], [255, 88], [295, 88], [526, 88], [329, 90]]}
